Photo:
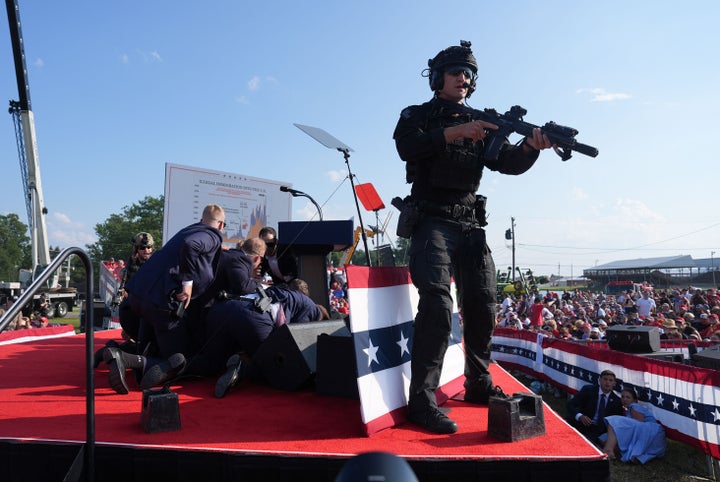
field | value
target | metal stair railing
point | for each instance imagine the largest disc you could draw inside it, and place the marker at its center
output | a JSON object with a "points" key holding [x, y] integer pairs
{"points": [[84, 463]]}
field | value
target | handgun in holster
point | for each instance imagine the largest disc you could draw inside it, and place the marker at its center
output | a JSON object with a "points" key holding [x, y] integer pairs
{"points": [[480, 212], [409, 216]]}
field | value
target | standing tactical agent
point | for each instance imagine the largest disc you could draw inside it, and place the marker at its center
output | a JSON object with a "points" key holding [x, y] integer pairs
{"points": [[143, 246], [142, 249], [442, 147]]}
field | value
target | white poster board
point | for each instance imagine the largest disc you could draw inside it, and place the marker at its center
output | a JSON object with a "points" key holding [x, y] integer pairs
{"points": [[250, 203]]}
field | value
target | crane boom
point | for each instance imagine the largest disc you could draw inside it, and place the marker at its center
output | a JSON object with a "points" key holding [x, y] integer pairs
{"points": [[27, 145]]}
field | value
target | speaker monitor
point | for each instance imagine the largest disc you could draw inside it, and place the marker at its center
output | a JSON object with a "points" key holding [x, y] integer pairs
{"points": [[287, 359], [669, 356], [336, 367], [633, 339], [707, 358]]}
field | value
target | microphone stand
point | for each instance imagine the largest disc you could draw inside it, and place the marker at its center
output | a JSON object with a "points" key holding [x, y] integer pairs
{"points": [[346, 155], [296, 193]]}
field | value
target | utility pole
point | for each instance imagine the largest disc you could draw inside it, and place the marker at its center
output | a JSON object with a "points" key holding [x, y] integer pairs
{"points": [[510, 235]]}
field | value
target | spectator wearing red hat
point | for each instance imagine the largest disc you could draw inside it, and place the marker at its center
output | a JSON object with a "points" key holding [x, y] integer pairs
{"points": [[652, 321]]}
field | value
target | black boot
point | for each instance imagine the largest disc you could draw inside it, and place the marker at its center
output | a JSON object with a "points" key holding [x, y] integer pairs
{"points": [[100, 354], [231, 376], [479, 397], [116, 376], [432, 419], [163, 372]]}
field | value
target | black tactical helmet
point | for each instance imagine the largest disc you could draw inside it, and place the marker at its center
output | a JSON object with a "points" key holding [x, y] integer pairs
{"points": [[450, 57], [143, 240]]}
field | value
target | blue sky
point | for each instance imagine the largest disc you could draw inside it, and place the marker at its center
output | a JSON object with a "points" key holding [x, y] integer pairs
{"points": [[118, 89]]}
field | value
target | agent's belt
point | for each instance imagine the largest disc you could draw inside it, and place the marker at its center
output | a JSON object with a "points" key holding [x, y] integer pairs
{"points": [[454, 211]]}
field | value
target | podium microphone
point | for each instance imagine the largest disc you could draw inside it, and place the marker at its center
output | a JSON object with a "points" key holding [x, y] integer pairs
{"points": [[296, 193], [293, 192]]}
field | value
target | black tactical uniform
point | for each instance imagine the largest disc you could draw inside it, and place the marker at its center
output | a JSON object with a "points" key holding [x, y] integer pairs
{"points": [[129, 321], [448, 242]]}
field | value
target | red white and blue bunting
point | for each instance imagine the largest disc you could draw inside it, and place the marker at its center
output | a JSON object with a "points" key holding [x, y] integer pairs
{"points": [[683, 398]]}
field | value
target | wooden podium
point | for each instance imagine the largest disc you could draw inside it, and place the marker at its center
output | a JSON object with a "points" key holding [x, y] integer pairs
{"points": [[312, 241]]}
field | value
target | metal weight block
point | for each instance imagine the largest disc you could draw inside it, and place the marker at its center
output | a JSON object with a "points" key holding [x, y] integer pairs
{"points": [[516, 418], [160, 411]]}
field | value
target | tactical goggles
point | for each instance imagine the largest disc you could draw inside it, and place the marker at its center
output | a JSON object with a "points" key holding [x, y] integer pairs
{"points": [[456, 70]]}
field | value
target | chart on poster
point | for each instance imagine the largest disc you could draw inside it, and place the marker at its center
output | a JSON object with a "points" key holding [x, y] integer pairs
{"points": [[249, 202]]}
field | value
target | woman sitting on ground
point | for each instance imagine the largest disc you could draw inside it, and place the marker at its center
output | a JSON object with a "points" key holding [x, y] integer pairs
{"points": [[636, 437]]}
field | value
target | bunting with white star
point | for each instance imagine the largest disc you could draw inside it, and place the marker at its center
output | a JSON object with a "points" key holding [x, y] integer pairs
{"points": [[683, 398], [383, 303]]}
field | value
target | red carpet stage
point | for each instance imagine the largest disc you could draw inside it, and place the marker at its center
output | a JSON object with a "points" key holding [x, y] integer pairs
{"points": [[255, 433]]}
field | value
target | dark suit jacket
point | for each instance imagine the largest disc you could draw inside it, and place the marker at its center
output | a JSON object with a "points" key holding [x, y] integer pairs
{"points": [[586, 402], [235, 273], [287, 263], [192, 254]]}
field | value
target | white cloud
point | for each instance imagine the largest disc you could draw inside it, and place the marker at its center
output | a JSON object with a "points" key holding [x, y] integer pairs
{"points": [[150, 57], [578, 194], [64, 232], [254, 83], [635, 211], [601, 95], [40, 63], [336, 176], [241, 99], [125, 59], [307, 212]]}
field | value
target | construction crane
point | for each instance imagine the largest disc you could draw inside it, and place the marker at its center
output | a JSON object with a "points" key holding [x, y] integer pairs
{"points": [[380, 230], [24, 123]]}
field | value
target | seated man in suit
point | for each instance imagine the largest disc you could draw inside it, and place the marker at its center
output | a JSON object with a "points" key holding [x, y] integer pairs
{"points": [[588, 408]]}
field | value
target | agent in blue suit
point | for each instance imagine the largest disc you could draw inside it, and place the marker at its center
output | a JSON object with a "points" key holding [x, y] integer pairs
{"points": [[167, 294]]}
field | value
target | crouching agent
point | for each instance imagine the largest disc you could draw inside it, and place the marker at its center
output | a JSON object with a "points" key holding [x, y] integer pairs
{"points": [[237, 327]]}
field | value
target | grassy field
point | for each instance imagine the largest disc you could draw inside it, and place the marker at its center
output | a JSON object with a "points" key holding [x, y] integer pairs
{"points": [[681, 463]]}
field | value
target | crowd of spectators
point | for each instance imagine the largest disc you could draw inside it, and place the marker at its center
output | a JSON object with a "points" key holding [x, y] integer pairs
{"points": [[36, 314], [678, 313], [116, 267]]}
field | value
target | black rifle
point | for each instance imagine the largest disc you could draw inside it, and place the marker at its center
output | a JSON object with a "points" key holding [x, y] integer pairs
{"points": [[562, 137]]}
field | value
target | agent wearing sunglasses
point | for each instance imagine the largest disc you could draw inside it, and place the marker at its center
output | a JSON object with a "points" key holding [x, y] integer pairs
{"points": [[442, 149], [161, 292], [279, 262], [143, 245]]}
